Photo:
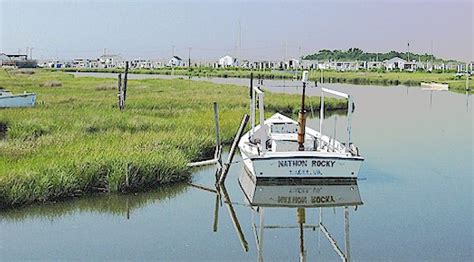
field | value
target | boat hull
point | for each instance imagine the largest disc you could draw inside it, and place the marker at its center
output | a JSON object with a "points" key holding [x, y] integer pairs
{"points": [[24, 100], [299, 167]]}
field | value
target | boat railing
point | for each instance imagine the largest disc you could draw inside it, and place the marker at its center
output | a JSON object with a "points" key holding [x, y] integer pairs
{"points": [[349, 114]]}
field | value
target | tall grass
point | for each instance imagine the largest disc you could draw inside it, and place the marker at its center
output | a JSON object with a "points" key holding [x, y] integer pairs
{"points": [[456, 83], [75, 141]]}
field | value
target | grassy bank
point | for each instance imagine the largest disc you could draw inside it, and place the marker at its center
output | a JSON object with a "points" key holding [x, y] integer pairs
{"points": [[75, 141], [359, 78]]}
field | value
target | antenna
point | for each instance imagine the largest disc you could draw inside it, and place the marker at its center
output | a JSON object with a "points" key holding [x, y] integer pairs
{"points": [[240, 42]]}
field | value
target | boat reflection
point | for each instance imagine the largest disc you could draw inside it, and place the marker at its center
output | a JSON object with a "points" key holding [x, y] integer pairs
{"points": [[298, 198]]}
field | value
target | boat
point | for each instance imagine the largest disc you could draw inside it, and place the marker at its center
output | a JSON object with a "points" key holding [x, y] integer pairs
{"points": [[433, 86], [284, 151], [7, 99]]}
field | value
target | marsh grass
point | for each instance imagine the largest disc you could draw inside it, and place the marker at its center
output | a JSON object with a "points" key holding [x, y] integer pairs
{"points": [[75, 141], [358, 78]]}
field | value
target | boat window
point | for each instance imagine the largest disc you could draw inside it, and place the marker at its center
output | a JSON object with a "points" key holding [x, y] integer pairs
{"points": [[284, 128]]}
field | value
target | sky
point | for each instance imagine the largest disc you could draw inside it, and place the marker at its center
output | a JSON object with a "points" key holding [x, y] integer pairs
{"points": [[207, 30]]}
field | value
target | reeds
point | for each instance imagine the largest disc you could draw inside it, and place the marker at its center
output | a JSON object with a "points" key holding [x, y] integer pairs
{"points": [[75, 141]]}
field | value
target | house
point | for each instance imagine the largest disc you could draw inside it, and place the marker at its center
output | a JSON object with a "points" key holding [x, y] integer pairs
{"points": [[20, 61], [111, 61], [395, 63], [309, 64], [227, 61], [141, 64], [347, 65], [372, 65], [410, 66], [4, 59], [81, 63], [176, 61]]}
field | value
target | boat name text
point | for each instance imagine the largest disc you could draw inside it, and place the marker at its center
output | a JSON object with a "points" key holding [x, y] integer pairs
{"points": [[304, 163]]}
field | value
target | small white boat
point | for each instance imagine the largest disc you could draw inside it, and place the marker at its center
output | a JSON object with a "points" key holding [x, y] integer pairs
{"points": [[285, 151], [7, 99], [434, 86]]}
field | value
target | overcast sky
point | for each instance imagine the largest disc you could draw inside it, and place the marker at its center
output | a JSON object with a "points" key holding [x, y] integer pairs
{"points": [[150, 29]]}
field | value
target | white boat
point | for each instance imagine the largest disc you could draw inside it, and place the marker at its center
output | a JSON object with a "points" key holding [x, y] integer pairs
{"points": [[433, 86], [285, 151], [7, 99]]}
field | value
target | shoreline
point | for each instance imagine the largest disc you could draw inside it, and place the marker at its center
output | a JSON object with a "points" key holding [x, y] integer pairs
{"points": [[349, 77]]}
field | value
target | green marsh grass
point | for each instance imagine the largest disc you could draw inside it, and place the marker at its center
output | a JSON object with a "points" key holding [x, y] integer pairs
{"points": [[75, 141], [457, 84]]}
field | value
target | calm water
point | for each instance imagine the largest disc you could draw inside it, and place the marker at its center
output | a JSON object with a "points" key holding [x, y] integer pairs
{"points": [[416, 185]]}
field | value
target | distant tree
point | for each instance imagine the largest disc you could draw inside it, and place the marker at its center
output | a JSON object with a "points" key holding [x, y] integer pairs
{"points": [[356, 54]]}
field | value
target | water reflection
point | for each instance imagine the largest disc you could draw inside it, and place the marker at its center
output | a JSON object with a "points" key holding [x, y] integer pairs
{"points": [[110, 203], [293, 198]]}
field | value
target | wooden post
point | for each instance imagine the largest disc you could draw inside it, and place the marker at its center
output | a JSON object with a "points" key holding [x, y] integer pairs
{"points": [[467, 81], [125, 81], [237, 137], [218, 136], [119, 90], [127, 179]]}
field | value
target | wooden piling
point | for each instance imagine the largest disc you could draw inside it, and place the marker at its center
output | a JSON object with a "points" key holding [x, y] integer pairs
{"points": [[237, 137], [125, 81], [119, 90], [127, 179], [217, 154]]}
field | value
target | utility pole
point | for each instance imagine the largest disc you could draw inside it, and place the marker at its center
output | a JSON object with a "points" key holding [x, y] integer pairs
{"points": [[189, 57], [172, 52], [408, 53]]}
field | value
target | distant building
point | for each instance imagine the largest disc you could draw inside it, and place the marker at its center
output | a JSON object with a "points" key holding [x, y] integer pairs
{"points": [[395, 63], [309, 64], [4, 59], [20, 61], [227, 61], [410, 66], [375, 65], [111, 61], [176, 61]]}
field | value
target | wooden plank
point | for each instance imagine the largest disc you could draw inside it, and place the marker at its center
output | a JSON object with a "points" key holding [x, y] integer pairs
{"points": [[237, 137]]}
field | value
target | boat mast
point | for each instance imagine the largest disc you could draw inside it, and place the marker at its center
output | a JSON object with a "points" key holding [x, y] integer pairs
{"points": [[301, 116], [252, 108]]}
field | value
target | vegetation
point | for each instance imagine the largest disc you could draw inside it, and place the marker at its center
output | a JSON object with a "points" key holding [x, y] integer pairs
{"points": [[76, 141], [356, 54], [456, 83]]}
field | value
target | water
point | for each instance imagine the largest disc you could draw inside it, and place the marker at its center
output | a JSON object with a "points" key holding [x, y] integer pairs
{"points": [[416, 185]]}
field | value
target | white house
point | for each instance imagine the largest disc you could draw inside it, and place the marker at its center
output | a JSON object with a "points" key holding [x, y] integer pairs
{"points": [[374, 65], [4, 59], [309, 64], [110, 61], [176, 61], [226, 61], [395, 63]]}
